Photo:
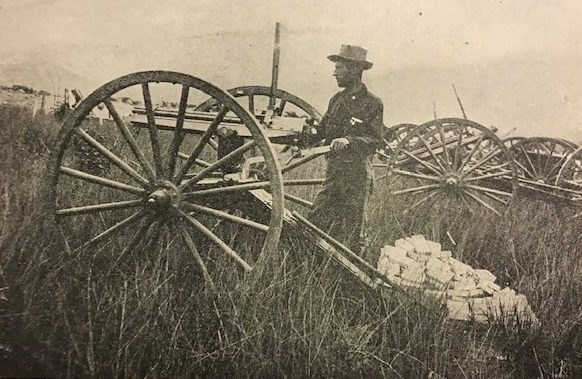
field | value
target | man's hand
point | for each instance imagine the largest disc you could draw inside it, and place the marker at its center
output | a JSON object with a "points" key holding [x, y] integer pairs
{"points": [[339, 144], [309, 130], [308, 136]]}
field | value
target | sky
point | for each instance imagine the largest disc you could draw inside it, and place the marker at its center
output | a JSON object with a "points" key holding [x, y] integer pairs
{"points": [[515, 64]]}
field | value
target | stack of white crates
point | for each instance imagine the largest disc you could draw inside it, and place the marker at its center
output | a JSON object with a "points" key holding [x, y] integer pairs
{"points": [[471, 294]]}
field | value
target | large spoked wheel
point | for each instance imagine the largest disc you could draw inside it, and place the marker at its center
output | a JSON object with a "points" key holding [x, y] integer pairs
{"points": [[453, 163], [396, 133], [539, 161], [511, 141], [258, 97], [119, 190], [392, 137], [303, 170], [569, 178], [573, 145]]}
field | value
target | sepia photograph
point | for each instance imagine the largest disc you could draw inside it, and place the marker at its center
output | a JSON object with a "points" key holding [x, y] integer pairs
{"points": [[291, 189]]}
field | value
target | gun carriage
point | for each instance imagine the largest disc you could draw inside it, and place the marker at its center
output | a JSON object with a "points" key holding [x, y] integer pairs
{"points": [[218, 176]]}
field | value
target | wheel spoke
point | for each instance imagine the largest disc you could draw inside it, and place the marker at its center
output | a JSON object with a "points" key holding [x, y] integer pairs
{"points": [[298, 200], [483, 203], [416, 189], [130, 139], [550, 156], [226, 216], [457, 157], [151, 240], [137, 237], [423, 200], [213, 144], [205, 139], [538, 151], [488, 176], [216, 240], [495, 168], [227, 158], [481, 162], [445, 149], [153, 131], [471, 153], [422, 162], [491, 196], [431, 152], [416, 175], [572, 182], [489, 190], [543, 186], [98, 207], [383, 154], [300, 162], [81, 175], [281, 107], [467, 204], [531, 165], [555, 170], [112, 157], [252, 104], [543, 146], [178, 131], [192, 247], [199, 162], [524, 169], [115, 228]]}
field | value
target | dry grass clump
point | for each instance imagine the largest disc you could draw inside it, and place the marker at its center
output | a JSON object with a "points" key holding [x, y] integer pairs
{"points": [[150, 315]]}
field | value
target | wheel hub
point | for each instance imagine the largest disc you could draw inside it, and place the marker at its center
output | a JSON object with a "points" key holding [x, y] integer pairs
{"points": [[452, 180], [163, 195]]}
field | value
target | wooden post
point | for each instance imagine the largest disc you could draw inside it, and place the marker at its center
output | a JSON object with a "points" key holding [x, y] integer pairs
{"points": [[35, 106], [43, 103], [459, 101], [66, 98], [275, 74]]}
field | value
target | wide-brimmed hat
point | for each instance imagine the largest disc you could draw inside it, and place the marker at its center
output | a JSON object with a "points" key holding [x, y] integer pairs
{"points": [[354, 54]]}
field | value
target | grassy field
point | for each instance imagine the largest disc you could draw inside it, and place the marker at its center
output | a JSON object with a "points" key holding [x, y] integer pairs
{"points": [[151, 316]]}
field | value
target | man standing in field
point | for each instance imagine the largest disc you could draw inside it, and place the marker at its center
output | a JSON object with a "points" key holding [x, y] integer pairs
{"points": [[352, 126]]}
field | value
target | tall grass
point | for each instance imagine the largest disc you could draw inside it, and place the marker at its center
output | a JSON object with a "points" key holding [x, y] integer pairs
{"points": [[150, 315]]}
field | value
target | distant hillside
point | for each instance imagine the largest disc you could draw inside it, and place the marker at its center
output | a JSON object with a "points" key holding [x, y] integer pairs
{"points": [[40, 75]]}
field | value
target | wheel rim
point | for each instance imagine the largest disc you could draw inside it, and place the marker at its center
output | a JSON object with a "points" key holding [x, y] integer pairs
{"points": [[392, 137], [511, 141], [253, 92], [570, 174], [474, 172], [570, 179], [539, 160], [146, 191]]}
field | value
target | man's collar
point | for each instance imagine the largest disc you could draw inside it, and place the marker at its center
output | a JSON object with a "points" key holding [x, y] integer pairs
{"points": [[362, 91]]}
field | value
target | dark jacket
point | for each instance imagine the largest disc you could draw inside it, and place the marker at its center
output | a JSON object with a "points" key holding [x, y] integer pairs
{"points": [[357, 117]]}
